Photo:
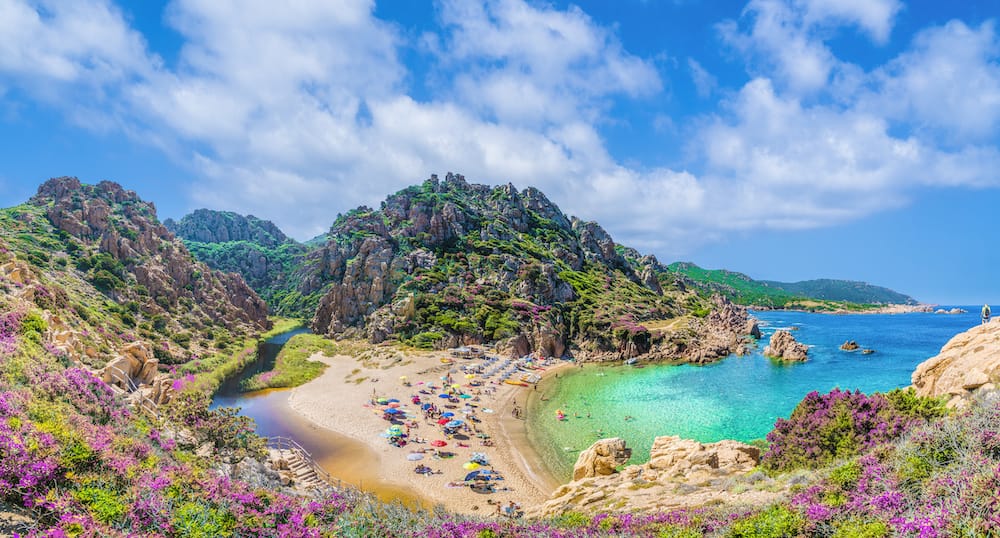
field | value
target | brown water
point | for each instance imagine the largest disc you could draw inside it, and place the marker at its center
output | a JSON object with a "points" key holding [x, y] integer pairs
{"points": [[344, 458]]}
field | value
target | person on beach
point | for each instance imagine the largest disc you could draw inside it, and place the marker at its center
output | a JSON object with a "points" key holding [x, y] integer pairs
{"points": [[986, 313]]}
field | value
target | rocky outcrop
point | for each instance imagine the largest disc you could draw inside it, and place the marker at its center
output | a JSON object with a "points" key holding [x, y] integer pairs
{"points": [[149, 265], [967, 365], [784, 347], [679, 473], [727, 329], [134, 366], [849, 345], [602, 458], [208, 226]]}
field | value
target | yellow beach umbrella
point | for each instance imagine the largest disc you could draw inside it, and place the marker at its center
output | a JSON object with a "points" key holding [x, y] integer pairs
{"points": [[470, 376], [470, 466]]}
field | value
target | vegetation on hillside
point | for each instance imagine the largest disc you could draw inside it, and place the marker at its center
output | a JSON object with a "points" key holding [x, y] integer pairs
{"points": [[813, 295], [269, 261], [447, 262]]}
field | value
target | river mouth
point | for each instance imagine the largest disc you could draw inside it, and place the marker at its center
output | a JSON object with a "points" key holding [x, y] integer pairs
{"points": [[344, 458]]}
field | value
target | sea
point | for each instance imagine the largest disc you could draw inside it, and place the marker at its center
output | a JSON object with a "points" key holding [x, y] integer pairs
{"points": [[735, 398]]}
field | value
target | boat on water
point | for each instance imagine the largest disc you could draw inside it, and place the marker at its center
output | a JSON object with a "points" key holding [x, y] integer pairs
{"points": [[632, 362]]}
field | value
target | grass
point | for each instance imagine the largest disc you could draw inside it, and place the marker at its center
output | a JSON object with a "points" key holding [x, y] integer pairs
{"points": [[281, 325], [293, 366]]}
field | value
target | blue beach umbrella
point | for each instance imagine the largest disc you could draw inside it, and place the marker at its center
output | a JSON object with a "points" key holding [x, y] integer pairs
{"points": [[425, 406], [392, 411], [453, 424], [448, 414], [392, 400], [444, 395]]}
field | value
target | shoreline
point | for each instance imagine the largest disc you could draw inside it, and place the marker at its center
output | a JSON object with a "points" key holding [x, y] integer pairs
{"points": [[339, 399], [884, 309]]}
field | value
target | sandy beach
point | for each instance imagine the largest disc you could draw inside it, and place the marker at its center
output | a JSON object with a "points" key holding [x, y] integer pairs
{"points": [[340, 400]]}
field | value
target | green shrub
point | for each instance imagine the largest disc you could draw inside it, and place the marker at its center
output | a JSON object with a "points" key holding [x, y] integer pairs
{"points": [[846, 476], [33, 327], [105, 505], [853, 528], [776, 522], [572, 520]]}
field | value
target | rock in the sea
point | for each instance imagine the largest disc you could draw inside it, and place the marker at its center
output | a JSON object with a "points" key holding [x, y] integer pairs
{"points": [[968, 364], [602, 458], [849, 345], [783, 346]]}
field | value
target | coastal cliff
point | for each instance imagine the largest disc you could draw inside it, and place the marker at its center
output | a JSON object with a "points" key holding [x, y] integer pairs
{"points": [[967, 365]]}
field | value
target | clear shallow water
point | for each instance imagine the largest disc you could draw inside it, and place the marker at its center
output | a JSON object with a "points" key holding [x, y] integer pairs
{"points": [[739, 397]]}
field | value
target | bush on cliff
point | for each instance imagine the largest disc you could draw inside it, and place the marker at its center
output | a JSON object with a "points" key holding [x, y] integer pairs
{"points": [[841, 424]]}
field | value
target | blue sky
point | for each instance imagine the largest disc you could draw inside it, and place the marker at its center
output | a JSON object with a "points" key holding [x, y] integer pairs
{"points": [[787, 139]]}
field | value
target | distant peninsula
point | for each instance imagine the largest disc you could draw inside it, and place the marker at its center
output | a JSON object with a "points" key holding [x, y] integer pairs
{"points": [[821, 295]]}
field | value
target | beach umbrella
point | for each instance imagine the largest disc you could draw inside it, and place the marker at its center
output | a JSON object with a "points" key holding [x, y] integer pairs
{"points": [[444, 421], [392, 411], [471, 476], [456, 386], [453, 424], [438, 443], [444, 395], [392, 400], [465, 396], [425, 406], [415, 456], [448, 414], [470, 466], [470, 376], [382, 400], [393, 405]]}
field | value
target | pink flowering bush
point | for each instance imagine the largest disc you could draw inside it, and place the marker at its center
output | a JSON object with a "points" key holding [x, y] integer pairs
{"points": [[823, 428]]}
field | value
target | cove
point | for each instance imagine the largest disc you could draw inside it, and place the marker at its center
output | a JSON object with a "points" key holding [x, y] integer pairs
{"points": [[344, 458], [736, 398]]}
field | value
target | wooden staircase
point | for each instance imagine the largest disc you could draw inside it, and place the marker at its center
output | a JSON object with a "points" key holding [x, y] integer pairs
{"points": [[300, 463]]}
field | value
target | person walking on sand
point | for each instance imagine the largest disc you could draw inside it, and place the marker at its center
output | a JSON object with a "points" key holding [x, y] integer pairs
{"points": [[986, 313]]}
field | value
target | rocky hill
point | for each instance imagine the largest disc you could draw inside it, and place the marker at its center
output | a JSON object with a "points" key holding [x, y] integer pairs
{"points": [[97, 267], [266, 258], [819, 295], [449, 262]]}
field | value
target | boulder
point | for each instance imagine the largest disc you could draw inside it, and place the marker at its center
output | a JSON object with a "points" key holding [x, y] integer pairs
{"points": [[849, 345], [968, 364], [784, 347], [602, 458], [681, 473]]}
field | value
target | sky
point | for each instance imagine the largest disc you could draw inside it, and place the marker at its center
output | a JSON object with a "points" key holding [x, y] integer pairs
{"points": [[786, 139]]}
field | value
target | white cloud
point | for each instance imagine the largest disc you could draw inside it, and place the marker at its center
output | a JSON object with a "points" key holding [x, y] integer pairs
{"points": [[704, 82], [948, 82], [524, 64], [85, 43], [873, 16]]}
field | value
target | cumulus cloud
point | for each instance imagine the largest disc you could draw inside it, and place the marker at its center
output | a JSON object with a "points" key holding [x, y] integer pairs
{"points": [[299, 113]]}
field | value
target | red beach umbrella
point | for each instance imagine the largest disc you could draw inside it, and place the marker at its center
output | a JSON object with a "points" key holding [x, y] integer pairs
{"points": [[444, 421], [438, 443]]}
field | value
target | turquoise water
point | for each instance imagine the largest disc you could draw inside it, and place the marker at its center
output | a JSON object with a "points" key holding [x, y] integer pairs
{"points": [[739, 397]]}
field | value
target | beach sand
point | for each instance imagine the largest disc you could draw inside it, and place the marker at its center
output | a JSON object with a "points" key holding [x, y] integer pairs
{"points": [[339, 400]]}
